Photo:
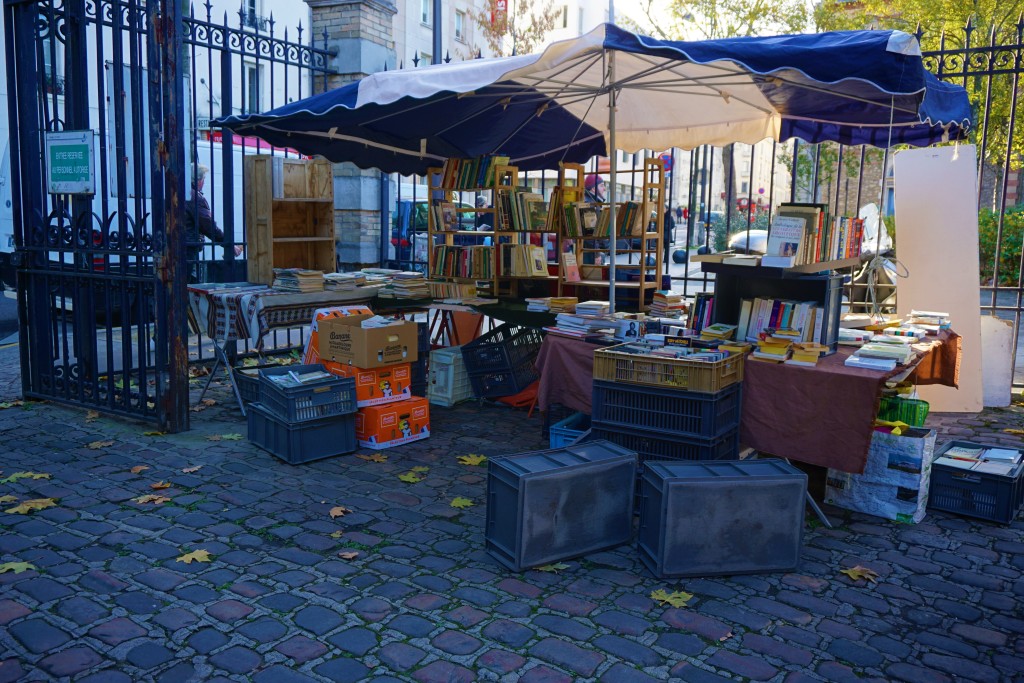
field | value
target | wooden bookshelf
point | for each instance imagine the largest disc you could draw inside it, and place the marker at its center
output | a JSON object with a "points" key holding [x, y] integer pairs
{"points": [[289, 215]]}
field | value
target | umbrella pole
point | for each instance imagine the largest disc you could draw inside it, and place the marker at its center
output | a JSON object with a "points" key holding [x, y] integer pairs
{"points": [[611, 195]]}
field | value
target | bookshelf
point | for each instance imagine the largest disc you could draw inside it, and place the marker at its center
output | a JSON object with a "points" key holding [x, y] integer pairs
{"points": [[644, 242], [510, 259], [289, 215], [734, 283]]}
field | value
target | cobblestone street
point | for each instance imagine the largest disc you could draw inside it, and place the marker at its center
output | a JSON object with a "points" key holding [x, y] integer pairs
{"points": [[416, 597]]}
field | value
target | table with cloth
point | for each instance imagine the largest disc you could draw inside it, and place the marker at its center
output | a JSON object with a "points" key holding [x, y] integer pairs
{"points": [[228, 312], [818, 415]]}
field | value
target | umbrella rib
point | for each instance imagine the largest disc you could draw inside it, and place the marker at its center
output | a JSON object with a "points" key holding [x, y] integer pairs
{"points": [[362, 141]]}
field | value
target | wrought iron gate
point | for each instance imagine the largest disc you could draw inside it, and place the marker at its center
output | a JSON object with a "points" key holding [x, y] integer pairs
{"points": [[102, 277]]}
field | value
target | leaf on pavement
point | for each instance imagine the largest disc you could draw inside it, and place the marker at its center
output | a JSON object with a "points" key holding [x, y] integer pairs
{"points": [[7, 499], [472, 459], [96, 445], [420, 468], [676, 598], [154, 433], [553, 568], [232, 437], [160, 485], [350, 555], [339, 511], [10, 404], [726, 637], [197, 409], [195, 556], [208, 402], [1014, 431], [27, 506], [190, 470], [376, 457], [461, 502], [410, 478], [213, 437], [139, 468], [858, 573], [198, 371], [152, 498], [24, 475], [337, 534], [16, 567], [92, 415]]}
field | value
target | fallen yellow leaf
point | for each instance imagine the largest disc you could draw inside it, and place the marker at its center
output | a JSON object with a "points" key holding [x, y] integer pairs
{"points": [[28, 506], [337, 534], [152, 498], [160, 485], [339, 511], [676, 598], [376, 457], [858, 573], [232, 437], [472, 459], [1014, 431], [16, 567], [139, 468], [92, 415], [154, 433], [208, 402], [7, 499], [197, 409], [213, 437], [461, 502], [410, 478], [190, 470], [195, 555], [554, 568], [96, 445], [420, 468], [24, 475], [10, 404], [349, 555]]}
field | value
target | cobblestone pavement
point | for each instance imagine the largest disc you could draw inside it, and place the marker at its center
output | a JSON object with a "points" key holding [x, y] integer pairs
{"points": [[421, 599]]}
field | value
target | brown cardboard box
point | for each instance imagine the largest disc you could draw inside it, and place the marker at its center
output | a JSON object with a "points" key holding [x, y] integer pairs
{"points": [[343, 341]]}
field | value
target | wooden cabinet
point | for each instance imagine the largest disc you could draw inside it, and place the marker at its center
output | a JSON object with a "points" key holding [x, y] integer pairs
{"points": [[289, 215]]}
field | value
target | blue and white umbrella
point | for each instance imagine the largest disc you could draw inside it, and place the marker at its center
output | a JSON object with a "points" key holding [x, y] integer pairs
{"points": [[611, 89], [855, 87]]}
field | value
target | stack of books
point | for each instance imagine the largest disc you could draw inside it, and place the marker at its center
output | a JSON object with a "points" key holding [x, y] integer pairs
{"points": [[929, 321], [538, 304], [900, 353], [407, 284], [343, 281], [806, 353], [298, 280], [667, 304], [451, 290], [562, 304], [911, 331], [851, 337], [581, 326], [774, 349], [592, 308], [988, 460], [717, 331]]}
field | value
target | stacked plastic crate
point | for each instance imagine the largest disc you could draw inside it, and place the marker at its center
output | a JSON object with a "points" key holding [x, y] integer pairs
{"points": [[303, 414], [668, 408], [501, 362], [448, 381]]}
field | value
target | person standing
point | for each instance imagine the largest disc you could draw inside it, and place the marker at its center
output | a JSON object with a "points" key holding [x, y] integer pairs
{"points": [[199, 220]]}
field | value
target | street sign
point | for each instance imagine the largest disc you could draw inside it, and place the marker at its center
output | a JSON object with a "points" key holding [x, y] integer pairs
{"points": [[69, 162], [667, 158]]}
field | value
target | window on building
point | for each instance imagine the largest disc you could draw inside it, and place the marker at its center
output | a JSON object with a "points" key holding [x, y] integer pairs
{"points": [[53, 67], [425, 58], [744, 187], [253, 91], [460, 26], [565, 16], [427, 12]]}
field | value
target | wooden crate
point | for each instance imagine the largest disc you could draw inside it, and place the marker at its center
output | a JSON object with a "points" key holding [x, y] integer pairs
{"points": [[289, 215]]}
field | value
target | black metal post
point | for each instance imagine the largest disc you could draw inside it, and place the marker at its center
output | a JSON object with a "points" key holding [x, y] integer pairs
{"points": [[435, 58]]}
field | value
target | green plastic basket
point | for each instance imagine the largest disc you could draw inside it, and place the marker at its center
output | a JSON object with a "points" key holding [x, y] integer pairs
{"points": [[913, 411]]}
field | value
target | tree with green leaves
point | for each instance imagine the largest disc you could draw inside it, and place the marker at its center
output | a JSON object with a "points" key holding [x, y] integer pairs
{"points": [[706, 19], [520, 28]]}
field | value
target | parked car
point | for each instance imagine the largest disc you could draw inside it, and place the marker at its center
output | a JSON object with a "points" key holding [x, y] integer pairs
{"points": [[752, 241]]}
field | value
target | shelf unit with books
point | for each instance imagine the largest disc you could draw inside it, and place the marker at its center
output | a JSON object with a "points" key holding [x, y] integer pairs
{"points": [[517, 214], [289, 211], [735, 284], [585, 224]]}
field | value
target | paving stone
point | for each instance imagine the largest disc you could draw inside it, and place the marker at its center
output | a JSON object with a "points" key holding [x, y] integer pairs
{"points": [[11, 670], [564, 654], [411, 625], [476, 596], [961, 668], [281, 674], [263, 630], [543, 674], [180, 672], [357, 640], [281, 602], [371, 609], [709, 628], [620, 673], [175, 618], [160, 579], [107, 676], [735, 614], [149, 655], [984, 636], [444, 672], [301, 649], [753, 668], [11, 610], [855, 653], [38, 636], [207, 640], [236, 660], [400, 656], [628, 650], [501, 661], [910, 673], [44, 590], [340, 670], [229, 611], [117, 631], [456, 643], [571, 628], [770, 647], [693, 674], [70, 662], [426, 602], [775, 609], [681, 643], [467, 616], [318, 620]]}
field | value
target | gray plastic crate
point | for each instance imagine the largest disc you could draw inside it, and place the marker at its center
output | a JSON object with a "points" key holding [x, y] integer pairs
{"points": [[294, 402], [304, 442], [548, 506], [995, 497], [715, 518]]}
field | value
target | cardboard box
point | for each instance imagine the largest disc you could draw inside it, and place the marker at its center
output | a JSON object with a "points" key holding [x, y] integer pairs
{"points": [[377, 386], [311, 353], [393, 424], [342, 340]]}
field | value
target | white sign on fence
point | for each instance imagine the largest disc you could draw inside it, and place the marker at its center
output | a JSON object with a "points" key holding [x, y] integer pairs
{"points": [[70, 159]]}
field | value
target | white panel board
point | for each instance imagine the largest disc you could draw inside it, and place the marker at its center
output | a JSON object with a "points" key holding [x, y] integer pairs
{"points": [[937, 241]]}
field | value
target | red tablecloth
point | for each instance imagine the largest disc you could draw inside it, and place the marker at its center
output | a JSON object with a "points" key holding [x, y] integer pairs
{"points": [[823, 415], [566, 368]]}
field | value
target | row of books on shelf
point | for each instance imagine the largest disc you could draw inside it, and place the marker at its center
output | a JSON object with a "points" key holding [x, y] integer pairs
{"points": [[523, 260], [702, 312], [468, 174], [583, 219], [804, 233], [472, 262], [798, 320]]}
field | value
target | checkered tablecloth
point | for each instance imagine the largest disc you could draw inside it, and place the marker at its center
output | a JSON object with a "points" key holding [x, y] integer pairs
{"points": [[231, 312]]}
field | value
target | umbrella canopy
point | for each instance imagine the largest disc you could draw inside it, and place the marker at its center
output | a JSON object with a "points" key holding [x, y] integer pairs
{"points": [[856, 87]]}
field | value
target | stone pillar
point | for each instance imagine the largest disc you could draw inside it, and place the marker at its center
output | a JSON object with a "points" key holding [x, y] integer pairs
{"points": [[360, 32]]}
